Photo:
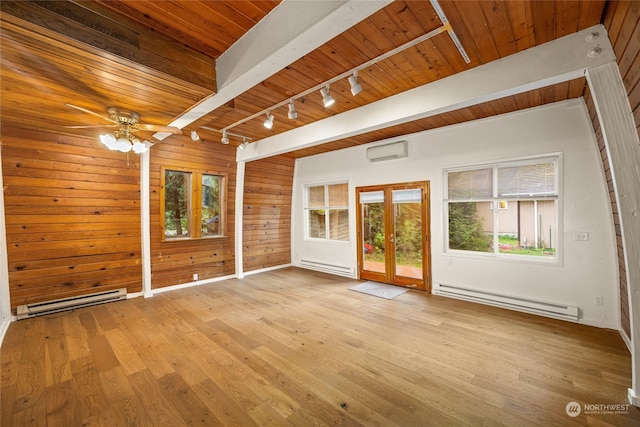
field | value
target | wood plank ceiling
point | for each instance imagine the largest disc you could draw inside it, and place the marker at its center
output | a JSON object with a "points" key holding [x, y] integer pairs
{"points": [[158, 58]]}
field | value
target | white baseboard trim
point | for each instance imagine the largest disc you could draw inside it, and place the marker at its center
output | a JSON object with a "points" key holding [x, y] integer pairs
{"points": [[5, 327], [598, 323], [264, 270], [190, 284], [626, 340], [634, 399], [135, 295]]}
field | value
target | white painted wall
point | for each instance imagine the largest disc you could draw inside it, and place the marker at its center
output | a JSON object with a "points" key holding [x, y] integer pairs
{"points": [[587, 269]]}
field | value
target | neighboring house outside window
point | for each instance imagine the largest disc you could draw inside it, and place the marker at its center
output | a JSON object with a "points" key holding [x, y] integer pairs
{"points": [[192, 204], [508, 208], [327, 211]]}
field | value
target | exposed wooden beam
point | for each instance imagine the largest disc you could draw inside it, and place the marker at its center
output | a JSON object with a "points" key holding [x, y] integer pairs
{"points": [[270, 46], [553, 62]]}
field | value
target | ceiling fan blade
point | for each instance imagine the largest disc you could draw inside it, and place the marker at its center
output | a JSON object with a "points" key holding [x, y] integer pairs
{"points": [[102, 116], [91, 127], [157, 128]]}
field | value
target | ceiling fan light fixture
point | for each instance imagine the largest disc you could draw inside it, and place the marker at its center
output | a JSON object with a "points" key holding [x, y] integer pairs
{"points": [[327, 99], [139, 147], [268, 123], [293, 114], [108, 140], [123, 144], [356, 87]]}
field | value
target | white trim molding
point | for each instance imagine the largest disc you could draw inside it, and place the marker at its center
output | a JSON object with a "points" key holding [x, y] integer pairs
{"points": [[5, 296], [557, 61], [623, 150]]}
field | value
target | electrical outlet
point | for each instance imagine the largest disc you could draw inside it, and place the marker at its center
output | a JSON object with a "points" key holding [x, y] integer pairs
{"points": [[582, 236], [195, 277], [598, 300]]}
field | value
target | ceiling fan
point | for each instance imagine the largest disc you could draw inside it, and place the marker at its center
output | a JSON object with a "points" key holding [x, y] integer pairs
{"points": [[126, 123]]}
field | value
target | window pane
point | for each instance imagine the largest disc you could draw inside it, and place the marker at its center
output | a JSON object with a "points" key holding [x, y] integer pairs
{"points": [[316, 197], [537, 180], [177, 193], [470, 226], [470, 184], [528, 227], [210, 215], [338, 195], [317, 224], [339, 224]]}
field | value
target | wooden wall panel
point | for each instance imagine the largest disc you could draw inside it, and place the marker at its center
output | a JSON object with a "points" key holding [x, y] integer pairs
{"points": [[622, 20], [175, 262], [72, 216], [267, 213]]}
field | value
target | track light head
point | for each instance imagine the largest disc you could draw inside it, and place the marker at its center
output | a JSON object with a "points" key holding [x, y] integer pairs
{"points": [[356, 87], [268, 123], [195, 136], [327, 99], [225, 138], [244, 144], [293, 114]]}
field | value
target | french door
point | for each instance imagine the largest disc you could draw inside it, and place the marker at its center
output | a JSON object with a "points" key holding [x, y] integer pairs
{"points": [[393, 234]]}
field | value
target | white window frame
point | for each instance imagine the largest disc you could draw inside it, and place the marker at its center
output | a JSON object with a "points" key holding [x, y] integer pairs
{"points": [[495, 202], [306, 210]]}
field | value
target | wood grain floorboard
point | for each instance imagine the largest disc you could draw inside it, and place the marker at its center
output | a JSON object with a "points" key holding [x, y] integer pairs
{"points": [[293, 347]]}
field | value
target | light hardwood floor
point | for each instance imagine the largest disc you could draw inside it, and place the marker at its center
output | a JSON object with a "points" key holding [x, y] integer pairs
{"points": [[293, 347]]}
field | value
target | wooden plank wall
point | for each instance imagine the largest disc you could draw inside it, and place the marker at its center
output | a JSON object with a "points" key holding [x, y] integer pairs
{"points": [[267, 213], [175, 262], [622, 20], [72, 216]]}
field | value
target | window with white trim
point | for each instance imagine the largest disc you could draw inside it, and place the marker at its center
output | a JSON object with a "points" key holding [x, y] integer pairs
{"points": [[504, 209], [327, 211]]}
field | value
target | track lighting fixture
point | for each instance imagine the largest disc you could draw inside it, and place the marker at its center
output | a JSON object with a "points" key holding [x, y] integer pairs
{"points": [[244, 144], [356, 87], [327, 99], [195, 136], [293, 114], [225, 138], [268, 123]]}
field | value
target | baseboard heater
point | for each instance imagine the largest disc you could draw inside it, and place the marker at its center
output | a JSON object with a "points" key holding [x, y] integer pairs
{"points": [[327, 268], [549, 309], [42, 308]]}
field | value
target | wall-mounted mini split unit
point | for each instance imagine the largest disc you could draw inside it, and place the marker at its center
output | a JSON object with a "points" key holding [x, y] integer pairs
{"points": [[389, 151]]}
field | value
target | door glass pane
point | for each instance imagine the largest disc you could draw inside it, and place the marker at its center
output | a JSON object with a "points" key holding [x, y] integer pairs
{"points": [[373, 232], [407, 209]]}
